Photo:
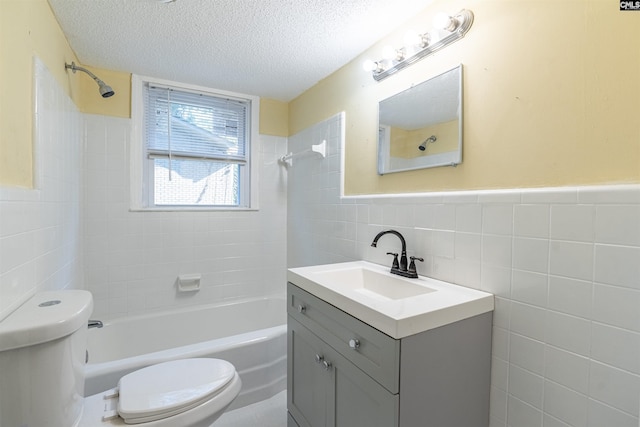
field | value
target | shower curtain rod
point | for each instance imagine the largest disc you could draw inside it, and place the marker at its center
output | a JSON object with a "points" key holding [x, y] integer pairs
{"points": [[316, 148]]}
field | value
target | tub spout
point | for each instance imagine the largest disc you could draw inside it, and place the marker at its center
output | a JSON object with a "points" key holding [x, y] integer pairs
{"points": [[95, 324]]}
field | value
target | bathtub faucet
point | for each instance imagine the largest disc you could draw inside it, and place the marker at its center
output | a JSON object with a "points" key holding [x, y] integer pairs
{"points": [[399, 268], [95, 324]]}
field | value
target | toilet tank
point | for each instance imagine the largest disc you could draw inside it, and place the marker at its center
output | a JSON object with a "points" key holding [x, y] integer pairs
{"points": [[42, 356]]}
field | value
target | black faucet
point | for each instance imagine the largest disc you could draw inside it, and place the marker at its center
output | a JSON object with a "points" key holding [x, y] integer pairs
{"points": [[399, 268]]}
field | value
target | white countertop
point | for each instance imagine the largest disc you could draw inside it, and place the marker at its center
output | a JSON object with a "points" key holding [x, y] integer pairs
{"points": [[398, 318]]}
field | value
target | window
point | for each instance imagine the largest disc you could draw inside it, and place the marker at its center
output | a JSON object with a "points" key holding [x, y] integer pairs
{"points": [[194, 147]]}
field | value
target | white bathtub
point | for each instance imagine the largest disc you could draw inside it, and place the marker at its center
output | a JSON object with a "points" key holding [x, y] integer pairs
{"points": [[251, 334]]}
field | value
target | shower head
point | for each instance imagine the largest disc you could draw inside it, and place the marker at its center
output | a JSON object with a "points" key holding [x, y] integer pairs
{"points": [[423, 146], [105, 89]]}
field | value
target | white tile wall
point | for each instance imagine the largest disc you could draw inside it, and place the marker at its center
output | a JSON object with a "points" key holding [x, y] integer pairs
{"points": [[40, 229], [564, 264], [134, 258]]}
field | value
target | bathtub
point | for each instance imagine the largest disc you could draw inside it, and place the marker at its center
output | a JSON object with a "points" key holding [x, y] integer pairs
{"points": [[251, 334]]}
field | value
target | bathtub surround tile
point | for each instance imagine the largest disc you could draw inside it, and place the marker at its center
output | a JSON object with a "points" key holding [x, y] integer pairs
{"points": [[41, 229], [235, 252]]}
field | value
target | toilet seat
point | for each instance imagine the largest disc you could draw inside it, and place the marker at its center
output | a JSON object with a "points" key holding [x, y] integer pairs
{"points": [[216, 385], [169, 388]]}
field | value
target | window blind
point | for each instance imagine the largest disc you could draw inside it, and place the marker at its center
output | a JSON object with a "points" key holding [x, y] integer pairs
{"points": [[192, 125]]}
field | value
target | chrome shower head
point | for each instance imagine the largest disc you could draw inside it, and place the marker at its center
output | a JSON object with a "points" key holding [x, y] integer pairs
{"points": [[423, 146], [105, 90]]}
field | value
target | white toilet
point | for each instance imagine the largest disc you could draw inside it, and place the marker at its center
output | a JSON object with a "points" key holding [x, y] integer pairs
{"points": [[42, 357]]}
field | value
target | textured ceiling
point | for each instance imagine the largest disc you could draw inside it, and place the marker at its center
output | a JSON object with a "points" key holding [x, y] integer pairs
{"points": [[270, 48]]}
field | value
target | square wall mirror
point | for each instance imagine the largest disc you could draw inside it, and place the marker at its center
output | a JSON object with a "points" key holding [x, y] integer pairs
{"points": [[421, 127]]}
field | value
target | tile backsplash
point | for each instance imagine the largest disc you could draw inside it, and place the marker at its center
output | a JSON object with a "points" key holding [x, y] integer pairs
{"points": [[563, 264]]}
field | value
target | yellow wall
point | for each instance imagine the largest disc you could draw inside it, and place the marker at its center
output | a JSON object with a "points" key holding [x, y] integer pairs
{"points": [[274, 117], [27, 28], [551, 93], [90, 100]]}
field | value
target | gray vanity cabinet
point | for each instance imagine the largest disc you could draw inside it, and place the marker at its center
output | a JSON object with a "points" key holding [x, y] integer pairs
{"points": [[344, 373]]}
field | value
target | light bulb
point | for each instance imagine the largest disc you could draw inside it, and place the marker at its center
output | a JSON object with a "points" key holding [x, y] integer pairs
{"points": [[369, 65], [444, 22]]}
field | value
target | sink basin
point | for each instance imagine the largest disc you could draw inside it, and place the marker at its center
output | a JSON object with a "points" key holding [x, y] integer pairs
{"points": [[373, 283], [395, 305]]}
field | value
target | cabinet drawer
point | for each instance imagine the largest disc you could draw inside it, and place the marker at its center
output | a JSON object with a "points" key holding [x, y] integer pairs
{"points": [[374, 352]]}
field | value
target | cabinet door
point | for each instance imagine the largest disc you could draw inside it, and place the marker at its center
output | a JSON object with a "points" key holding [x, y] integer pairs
{"points": [[308, 384], [359, 401], [327, 390]]}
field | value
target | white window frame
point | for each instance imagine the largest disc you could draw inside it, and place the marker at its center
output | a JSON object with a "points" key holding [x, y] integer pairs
{"points": [[141, 188]]}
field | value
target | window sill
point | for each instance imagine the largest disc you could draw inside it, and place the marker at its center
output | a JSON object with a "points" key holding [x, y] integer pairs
{"points": [[193, 209]]}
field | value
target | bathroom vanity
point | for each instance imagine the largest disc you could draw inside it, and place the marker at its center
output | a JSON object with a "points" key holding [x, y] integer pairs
{"points": [[344, 372]]}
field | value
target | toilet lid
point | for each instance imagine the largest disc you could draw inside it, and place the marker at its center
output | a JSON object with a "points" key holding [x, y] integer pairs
{"points": [[169, 388]]}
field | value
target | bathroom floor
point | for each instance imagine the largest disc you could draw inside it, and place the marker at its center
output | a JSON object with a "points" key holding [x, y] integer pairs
{"points": [[268, 413]]}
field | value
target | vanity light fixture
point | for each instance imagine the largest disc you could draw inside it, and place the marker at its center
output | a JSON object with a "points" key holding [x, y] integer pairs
{"points": [[446, 30]]}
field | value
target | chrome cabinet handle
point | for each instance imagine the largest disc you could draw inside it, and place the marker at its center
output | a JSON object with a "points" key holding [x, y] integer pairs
{"points": [[319, 359], [326, 365], [354, 343], [302, 308]]}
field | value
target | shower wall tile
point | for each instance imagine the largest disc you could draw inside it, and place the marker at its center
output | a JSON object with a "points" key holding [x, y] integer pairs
{"points": [[563, 264], [40, 228], [133, 259]]}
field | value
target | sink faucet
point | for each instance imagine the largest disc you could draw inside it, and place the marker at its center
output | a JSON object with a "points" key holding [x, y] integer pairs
{"points": [[399, 268]]}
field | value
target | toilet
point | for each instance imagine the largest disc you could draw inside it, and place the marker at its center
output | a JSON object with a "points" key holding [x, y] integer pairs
{"points": [[42, 357]]}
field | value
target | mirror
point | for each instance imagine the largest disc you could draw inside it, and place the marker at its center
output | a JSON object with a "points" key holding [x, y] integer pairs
{"points": [[421, 127]]}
